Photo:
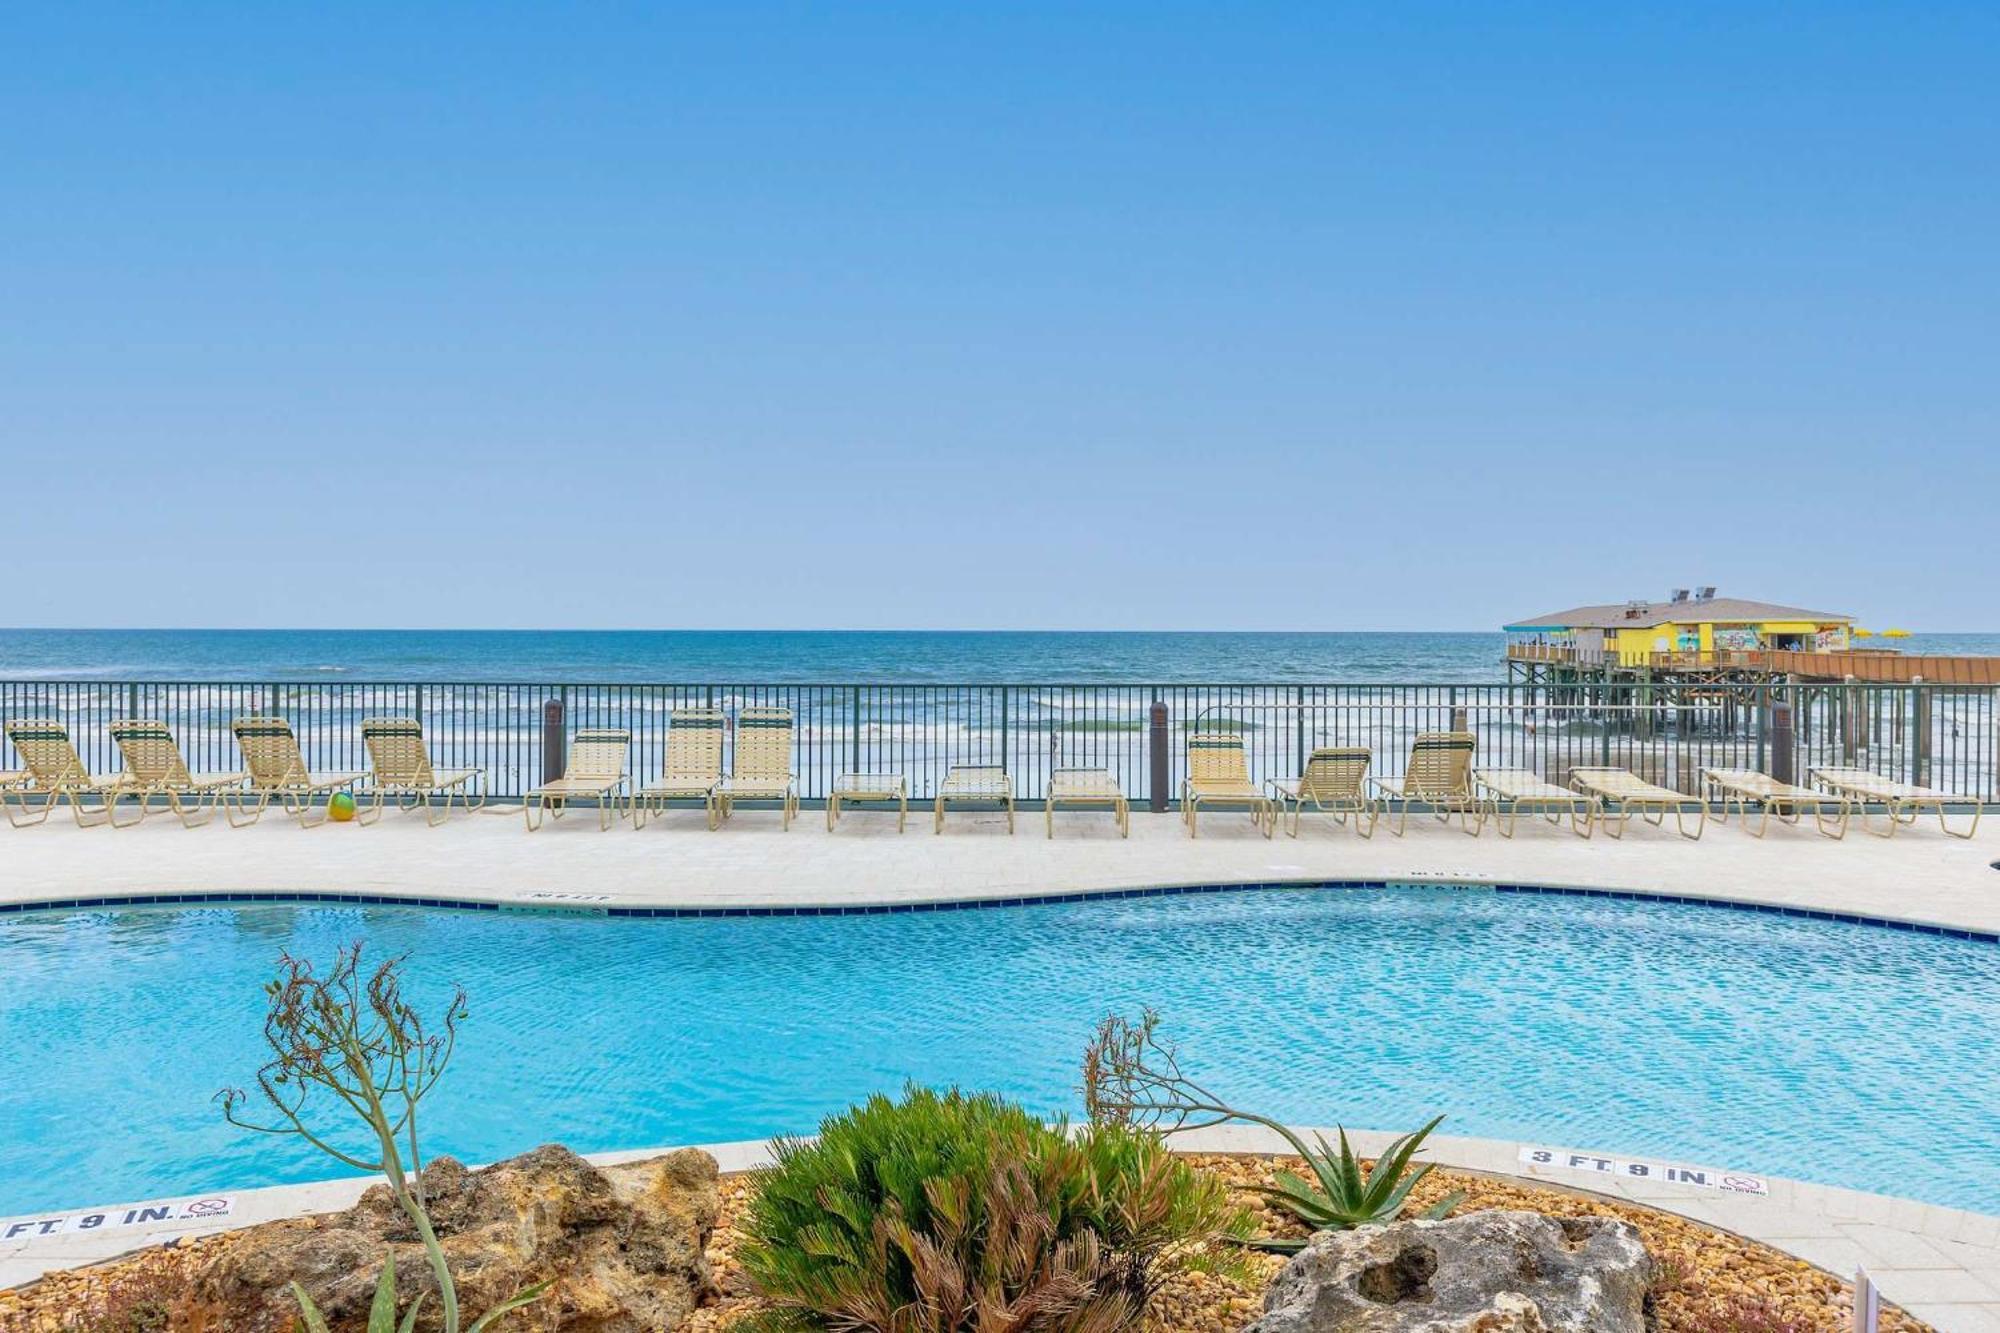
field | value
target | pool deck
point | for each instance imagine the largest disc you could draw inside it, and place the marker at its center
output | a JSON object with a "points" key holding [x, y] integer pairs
{"points": [[1918, 876], [1941, 1265]]}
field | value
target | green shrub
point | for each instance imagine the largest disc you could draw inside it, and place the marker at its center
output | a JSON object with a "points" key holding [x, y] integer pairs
{"points": [[948, 1211]]}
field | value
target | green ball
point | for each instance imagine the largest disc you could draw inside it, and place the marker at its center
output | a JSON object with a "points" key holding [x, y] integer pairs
{"points": [[340, 809]]}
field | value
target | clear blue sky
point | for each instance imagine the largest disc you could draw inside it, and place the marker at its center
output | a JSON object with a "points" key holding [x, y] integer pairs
{"points": [[1171, 316]]}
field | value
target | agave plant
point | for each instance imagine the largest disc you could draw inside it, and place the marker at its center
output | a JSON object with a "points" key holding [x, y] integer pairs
{"points": [[382, 1310], [1341, 1197], [1134, 1079]]}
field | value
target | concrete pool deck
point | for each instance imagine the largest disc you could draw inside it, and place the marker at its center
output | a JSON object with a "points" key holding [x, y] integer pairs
{"points": [[1939, 1264], [1918, 876]]}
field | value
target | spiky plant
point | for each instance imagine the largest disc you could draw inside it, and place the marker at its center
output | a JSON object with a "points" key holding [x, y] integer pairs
{"points": [[1134, 1080], [947, 1212]]}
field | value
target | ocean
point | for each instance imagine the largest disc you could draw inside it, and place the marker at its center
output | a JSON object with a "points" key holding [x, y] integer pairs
{"points": [[777, 656]]}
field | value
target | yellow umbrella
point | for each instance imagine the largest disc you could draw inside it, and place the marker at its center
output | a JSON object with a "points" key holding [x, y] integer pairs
{"points": [[1860, 633], [1895, 634]]}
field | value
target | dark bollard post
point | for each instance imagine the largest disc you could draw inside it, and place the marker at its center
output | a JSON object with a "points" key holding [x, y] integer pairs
{"points": [[552, 740], [1156, 741], [1784, 757], [1920, 732]]}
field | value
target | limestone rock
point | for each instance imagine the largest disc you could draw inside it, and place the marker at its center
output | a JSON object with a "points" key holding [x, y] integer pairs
{"points": [[1486, 1272], [624, 1247]]}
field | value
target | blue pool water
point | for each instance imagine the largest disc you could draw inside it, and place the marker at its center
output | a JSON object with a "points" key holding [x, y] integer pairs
{"points": [[1849, 1054]]}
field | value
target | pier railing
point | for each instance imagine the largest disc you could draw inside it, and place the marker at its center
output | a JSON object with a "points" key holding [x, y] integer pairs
{"points": [[1939, 735]]}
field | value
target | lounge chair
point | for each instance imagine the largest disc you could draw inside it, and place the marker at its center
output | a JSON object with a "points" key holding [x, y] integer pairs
{"points": [[692, 767], [1741, 787], [1335, 780], [1087, 787], [761, 767], [155, 766], [1513, 790], [595, 770], [967, 783], [1634, 795], [1903, 801], [1439, 776], [401, 768], [1219, 774], [271, 753], [851, 787], [54, 772]]}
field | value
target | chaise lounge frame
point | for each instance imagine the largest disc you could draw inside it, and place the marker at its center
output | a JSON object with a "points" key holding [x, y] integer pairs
{"points": [[155, 766], [1902, 802], [691, 769], [1634, 795], [1439, 777], [401, 769], [760, 769], [593, 770], [55, 772], [1335, 780], [1518, 789], [1742, 787], [277, 769], [1218, 773], [1087, 787], [966, 784]]}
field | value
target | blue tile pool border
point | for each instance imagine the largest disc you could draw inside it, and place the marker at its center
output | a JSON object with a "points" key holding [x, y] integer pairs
{"points": [[90, 903]]}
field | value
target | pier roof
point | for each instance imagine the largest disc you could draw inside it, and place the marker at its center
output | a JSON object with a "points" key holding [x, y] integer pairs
{"points": [[1643, 615]]}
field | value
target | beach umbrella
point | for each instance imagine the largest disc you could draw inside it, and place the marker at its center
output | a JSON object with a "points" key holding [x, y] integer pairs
{"points": [[1895, 634], [1861, 633]]}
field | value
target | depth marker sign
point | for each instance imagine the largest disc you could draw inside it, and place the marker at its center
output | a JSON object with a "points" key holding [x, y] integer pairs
{"points": [[163, 1213], [1630, 1168]]}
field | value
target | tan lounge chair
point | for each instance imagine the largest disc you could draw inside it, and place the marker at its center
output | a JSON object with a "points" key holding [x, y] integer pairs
{"points": [[1903, 801], [1741, 787], [401, 768], [55, 772], [595, 770], [851, 787], [271, 752], [966, 784], [1513, 790], [154, 766], [1087, 787], [692, 767], [1634, 795], [1219, 774], [1439, 776], [761, 767], [1336, 782]]}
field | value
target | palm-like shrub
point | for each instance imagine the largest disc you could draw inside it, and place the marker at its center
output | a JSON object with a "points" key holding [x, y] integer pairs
{"points": [[945, 1212]]}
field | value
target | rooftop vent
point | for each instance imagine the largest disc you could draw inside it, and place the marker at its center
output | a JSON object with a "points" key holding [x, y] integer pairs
{"points": [[1635, 609]]}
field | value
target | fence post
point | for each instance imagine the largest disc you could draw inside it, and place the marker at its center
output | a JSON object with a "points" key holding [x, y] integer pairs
{"points": [[854, 749], [1003, 728], [1920, 726], [552, 740], [1784, 753], [1299, 730], [1158, 755]]}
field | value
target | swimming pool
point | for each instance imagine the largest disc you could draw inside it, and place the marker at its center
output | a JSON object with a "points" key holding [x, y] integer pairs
{"points": [[1854, 1055]]}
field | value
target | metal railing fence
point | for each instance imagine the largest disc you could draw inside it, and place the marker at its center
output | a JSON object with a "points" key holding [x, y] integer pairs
{"points": [[1939, 735]]}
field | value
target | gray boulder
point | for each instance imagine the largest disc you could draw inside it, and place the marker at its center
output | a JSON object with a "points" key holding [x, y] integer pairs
{"points": [[1488, 1272]]}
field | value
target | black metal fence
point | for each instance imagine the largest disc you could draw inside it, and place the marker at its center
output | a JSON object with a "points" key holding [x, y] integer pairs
{"points": [[1939, 736]]}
